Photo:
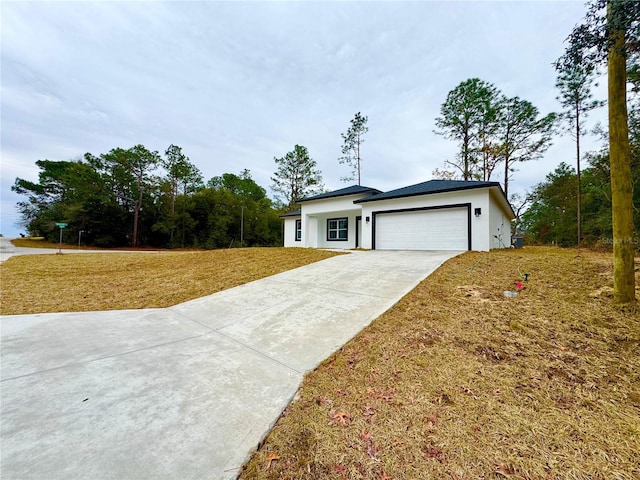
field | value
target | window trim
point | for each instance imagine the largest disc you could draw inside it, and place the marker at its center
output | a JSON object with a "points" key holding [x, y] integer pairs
{"points": [[337, 229], [298, 230]]}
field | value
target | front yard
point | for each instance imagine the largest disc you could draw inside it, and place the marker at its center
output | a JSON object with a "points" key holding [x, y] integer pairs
{"points": [[458, 381], [115, 281]]}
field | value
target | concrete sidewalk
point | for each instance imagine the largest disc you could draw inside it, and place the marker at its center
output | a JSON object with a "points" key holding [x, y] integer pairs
{"points": [[186, 391]]}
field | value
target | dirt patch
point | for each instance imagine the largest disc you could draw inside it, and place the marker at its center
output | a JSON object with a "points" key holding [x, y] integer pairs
{"points": [[476, 292]]}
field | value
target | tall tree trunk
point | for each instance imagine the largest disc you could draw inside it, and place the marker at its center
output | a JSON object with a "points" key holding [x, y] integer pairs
{"points": [[506, 176], [579, 175], [174, 195], [358, 159], [136, 214], [465, 154], [136, 211], [621, 187]]}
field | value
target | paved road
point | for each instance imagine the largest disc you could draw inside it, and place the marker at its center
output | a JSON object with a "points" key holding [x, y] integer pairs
{"points": [[8, 250], [187, 391]]}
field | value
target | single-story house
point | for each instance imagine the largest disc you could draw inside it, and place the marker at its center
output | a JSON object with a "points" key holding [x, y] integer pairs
{"points": [[433, 215]]}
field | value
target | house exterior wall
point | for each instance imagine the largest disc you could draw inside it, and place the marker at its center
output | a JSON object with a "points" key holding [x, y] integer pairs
{"points": [[314, 221], [491, 229], [319, 237], [309, 231], [328, 205], [290, 232], [478, 198], [499, 225]]}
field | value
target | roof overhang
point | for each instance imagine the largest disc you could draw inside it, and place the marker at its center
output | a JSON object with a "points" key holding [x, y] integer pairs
{"points": [[391, 195], [296, 213], [493, 187], [343, 192]]}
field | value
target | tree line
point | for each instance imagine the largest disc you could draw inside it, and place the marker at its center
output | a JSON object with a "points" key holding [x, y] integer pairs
{"points": [[574, 207], [137, 197], [609, 38], [493, 130], [551, 217]]}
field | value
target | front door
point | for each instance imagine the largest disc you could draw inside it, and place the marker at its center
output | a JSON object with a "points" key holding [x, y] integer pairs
{"points": [[358, 231]]}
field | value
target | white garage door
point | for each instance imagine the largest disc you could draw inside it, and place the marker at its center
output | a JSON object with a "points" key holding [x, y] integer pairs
{"points": [[443, 229]]}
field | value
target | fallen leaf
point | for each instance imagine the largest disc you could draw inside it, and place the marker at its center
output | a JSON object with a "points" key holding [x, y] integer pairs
{"points": [[367, 438], [371, 451], [342, 418], [432, 419], [504, 470], [272, 457], [435, 453], [369, 413], [444, 399], [386, 394]]}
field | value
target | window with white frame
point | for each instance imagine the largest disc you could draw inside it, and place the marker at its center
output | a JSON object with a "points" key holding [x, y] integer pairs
{"points": [[337, 229], [298, 230]]}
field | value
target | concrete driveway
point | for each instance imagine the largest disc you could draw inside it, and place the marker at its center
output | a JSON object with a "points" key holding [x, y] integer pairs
{"points": [[187, 391]]}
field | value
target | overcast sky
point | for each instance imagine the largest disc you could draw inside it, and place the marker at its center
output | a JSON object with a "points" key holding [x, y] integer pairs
{"points": [[237, 83]]}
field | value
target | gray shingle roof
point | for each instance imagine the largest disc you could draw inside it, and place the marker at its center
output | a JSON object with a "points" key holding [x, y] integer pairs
{"points": [[431, 186], [352, 190], [295, 213]]}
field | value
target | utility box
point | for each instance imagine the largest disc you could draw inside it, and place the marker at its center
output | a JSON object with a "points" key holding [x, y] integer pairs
{"points": [[517, 242]]}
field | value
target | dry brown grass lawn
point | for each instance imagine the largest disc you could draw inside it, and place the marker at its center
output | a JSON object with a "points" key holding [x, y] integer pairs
{"points": [[39, 242], [458, 382], [84, 282]]}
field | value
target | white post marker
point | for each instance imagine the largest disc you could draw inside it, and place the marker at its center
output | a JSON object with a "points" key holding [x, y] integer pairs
{"points": [[62, 226]]}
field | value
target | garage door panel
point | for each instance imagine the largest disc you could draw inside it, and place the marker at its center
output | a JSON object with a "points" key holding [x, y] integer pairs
{"points": [[442, 229]]}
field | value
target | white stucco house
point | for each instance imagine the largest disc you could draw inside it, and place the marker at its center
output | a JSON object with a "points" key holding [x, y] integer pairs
{"points": [[433, 215]]}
